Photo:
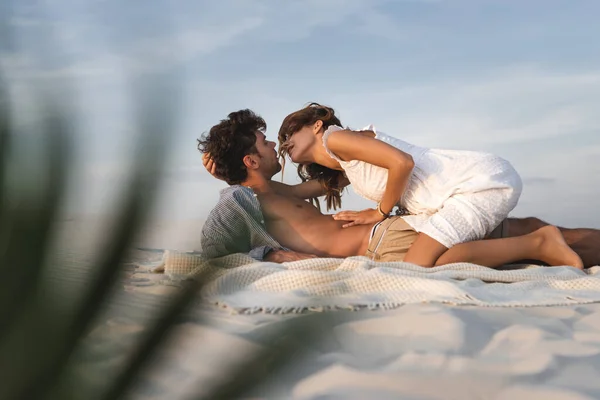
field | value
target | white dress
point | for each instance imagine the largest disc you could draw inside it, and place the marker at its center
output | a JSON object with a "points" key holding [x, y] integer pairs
{"points": [[453, 196]]}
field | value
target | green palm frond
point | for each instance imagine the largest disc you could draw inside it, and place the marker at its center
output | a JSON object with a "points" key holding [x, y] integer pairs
{"points": [[38, 334]]}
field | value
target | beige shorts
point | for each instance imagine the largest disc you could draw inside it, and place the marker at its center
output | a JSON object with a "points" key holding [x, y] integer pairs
{"points": [[391, 240], [393, 237]]}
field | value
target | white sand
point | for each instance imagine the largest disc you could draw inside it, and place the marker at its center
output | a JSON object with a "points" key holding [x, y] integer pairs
{"points": [[415, 352], [419, 351]]}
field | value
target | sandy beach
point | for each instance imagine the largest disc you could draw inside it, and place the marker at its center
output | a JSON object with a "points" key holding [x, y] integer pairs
{"points": [[462, 113], [416, 351], [413, 352]]}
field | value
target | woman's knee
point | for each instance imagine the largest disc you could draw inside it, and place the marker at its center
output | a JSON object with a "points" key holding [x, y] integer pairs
{"points": [[425, 251]]}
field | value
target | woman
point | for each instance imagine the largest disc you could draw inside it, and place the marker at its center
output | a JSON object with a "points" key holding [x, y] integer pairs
{"points": [[453, 196]]}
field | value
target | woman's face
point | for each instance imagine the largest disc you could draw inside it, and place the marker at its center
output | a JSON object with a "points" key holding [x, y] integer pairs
{"points": [[301, 143]]}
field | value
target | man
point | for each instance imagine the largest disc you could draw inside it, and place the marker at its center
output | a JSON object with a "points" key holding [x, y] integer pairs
{"points": [[272, 221]]}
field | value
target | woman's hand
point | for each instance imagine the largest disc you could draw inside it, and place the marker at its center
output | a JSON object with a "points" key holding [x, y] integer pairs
{"points": [[364, 217], [210, 165]]}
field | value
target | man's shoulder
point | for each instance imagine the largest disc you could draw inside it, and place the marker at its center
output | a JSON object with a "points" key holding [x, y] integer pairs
{"points": [[235, 193], [236, 197], [232, 204], [236, 204]]}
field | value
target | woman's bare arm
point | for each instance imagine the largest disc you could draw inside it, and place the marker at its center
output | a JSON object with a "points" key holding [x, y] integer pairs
{"points": [[351, 145], [305, 190]]}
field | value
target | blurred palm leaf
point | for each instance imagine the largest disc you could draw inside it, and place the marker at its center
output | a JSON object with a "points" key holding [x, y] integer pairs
{"points": [[38, 335]]}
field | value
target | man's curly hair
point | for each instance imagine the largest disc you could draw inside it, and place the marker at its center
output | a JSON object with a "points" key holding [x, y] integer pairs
{"points": [[230, 141]]}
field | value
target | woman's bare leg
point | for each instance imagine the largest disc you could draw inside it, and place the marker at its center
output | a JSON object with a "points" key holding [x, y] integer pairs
{"points": [[584, 241], [545, 244], [425, 251]]}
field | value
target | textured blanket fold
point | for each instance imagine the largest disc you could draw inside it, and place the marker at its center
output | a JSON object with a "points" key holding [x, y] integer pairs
{"points": [[244, 285]]}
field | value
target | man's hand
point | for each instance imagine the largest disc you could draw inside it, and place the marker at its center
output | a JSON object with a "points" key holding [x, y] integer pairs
{"points": [[364, 217], [210, 166], [281, 256]]}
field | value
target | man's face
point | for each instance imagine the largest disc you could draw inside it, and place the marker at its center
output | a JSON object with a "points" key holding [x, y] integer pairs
{"points": [[269, 162]]}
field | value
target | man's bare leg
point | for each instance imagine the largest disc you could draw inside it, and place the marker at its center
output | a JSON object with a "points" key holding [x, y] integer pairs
{"points": [[584, 241]]}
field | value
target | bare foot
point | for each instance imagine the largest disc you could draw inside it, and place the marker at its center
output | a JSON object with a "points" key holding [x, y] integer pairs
{"points": [[554, 250]]}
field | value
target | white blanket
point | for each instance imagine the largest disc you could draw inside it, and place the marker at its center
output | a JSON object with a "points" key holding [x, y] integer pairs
{"points": [[244, 285]]}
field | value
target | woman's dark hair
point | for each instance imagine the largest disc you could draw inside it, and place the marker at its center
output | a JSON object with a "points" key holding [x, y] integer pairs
{"points": [[230, 141], [328, 177]]}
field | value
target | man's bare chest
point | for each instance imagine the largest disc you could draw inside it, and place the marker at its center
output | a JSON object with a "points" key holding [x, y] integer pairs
{"points": [[275, 207]]}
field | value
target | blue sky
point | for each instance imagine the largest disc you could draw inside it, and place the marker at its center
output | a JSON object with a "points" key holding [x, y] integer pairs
{"points": [[518, 78]]}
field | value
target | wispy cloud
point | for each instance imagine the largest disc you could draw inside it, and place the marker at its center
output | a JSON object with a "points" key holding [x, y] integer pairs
{"points": [[468, 113], [522, 83], [496, 109], [182, 34]]}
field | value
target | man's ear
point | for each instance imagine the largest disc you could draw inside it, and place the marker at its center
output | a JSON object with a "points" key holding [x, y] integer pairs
{"points": [[317, 126], [250, 161]]}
